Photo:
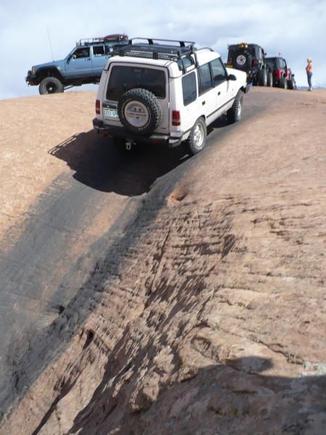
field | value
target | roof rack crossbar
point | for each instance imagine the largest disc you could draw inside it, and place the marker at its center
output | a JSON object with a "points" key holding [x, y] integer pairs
{"points": [[163, 49], [152, 41]]}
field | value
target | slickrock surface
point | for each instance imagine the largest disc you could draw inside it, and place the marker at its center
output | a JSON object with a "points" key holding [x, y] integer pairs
{"points": [[29, 128], [205, 312]]}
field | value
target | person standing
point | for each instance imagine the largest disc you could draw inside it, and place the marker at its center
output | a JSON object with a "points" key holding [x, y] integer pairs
{"points": [[309, 73]]}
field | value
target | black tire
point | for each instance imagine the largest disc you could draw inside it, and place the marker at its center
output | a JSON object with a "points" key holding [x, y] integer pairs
{"points": [[50, 85], [270, 80], [262, 77], [193, 146], [149, 109], [283, 83], [290, 84], [234, 114]]}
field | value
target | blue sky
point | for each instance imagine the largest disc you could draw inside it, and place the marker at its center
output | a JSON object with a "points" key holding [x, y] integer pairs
{"points": [[296, 29]]}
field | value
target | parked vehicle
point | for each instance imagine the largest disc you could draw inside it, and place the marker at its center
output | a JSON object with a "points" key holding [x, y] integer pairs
{"points": [[166, 91], [282, 74], [84, 64], [250, 58]]}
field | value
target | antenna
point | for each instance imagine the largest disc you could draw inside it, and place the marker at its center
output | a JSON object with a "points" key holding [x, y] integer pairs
{"points": [[49, 39]]}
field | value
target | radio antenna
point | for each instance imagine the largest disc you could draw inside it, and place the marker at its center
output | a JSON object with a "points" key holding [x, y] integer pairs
{"points": [[50, 43]]}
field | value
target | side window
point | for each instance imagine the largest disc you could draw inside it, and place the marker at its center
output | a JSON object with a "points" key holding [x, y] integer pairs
{"points": [[204, 78], [109, 48], [189, 88], [81, 53], [218, 71], [98, 50]]}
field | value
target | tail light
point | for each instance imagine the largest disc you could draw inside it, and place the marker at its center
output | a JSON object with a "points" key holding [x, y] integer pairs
{"points": [[254, 62], [176, 119], [98, 107]]}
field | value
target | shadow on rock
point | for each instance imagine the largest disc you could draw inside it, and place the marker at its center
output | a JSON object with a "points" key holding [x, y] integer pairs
{"points": [[230, 397], [101, 165]]}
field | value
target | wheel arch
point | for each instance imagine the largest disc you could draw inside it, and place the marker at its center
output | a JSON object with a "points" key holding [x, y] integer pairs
{"points": [[49, 72], [203, 116]]}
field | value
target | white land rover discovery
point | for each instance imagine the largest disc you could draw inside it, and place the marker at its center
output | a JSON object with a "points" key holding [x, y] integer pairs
{"points": [[166, 91]]}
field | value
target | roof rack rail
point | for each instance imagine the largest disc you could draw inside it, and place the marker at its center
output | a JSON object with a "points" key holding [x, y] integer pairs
{"points": [[157, 51], [103, 40], [157, 48]]}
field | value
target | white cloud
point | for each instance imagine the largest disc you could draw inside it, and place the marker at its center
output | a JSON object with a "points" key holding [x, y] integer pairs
{"points": [[293, 28]]}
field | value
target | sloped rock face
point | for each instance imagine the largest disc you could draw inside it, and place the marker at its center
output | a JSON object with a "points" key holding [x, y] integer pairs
{"points": [[207, 315]]}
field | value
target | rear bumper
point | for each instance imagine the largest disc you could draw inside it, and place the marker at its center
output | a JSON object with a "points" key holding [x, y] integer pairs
{"points": [[121, 132]]}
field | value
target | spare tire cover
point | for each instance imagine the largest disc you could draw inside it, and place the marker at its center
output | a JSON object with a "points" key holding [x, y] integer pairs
{"points": [[139, 111], [241, 59]]}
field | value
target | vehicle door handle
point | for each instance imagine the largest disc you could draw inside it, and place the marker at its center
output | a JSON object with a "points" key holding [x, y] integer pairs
{"points": [[203, 103], [219, 93]]}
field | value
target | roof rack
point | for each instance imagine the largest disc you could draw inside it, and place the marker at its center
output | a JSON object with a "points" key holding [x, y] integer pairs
{"points": [[166, 49], [103, 40]]}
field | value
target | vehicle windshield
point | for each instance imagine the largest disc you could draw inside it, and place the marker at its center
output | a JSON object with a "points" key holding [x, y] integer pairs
{"points": [[123, 78]]}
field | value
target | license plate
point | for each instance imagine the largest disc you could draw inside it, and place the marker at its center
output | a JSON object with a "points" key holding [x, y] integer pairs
{"points": [[110, 112]]}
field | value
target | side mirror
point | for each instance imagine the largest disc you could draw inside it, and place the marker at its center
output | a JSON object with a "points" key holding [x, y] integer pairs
{"points": [[231, 77]]}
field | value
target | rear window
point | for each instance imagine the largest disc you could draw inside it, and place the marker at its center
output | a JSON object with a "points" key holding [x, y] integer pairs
{"points": [[123, 78], [273, 62], [98, 50]]}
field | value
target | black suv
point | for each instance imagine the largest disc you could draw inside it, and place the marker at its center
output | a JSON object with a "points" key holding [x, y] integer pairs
{"points": [[251, 59]]}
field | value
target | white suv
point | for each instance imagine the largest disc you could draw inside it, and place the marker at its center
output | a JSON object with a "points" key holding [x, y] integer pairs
{"points": [[166, 91]]}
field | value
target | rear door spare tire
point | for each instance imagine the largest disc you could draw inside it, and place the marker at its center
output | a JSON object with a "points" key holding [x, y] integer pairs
{"points": [[139, 111]]}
